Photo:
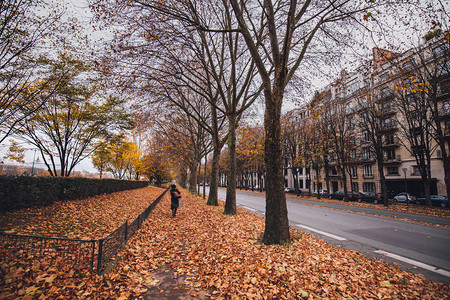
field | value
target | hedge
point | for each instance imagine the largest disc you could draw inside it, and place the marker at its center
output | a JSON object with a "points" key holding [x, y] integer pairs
{"points": [[25, 191]]}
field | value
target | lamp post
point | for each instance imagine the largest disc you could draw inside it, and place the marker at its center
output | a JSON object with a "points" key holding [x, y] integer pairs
{"points": [[32, 166], [406, 186]]}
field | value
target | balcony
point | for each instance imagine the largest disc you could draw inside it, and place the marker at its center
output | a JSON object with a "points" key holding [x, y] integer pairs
{"points": [[366, 158], [368, 175], [393, 160], [391, 143], [389, 127]]}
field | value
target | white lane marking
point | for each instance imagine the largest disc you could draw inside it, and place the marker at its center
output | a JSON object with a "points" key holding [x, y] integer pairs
{"points": [[414, 263], [247, 208], [336, 237]]}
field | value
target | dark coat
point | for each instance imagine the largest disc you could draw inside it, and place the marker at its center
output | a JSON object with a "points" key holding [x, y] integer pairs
{"points": [[174, 201]]}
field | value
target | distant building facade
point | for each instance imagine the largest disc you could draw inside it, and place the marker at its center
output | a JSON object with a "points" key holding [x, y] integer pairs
{"points": [[398, 86]]}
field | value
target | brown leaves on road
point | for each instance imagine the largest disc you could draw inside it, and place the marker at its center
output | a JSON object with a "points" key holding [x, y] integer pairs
{"points": [[222, 254]]}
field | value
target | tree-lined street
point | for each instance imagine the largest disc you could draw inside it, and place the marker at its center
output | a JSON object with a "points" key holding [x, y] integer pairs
{"points": [[368, 233]]}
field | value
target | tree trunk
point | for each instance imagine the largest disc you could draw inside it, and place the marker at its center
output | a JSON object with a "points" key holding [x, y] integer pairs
{"points": [[380, 166], [276, 224], [295, 176], [446, 166], [213, 185], [193, 179], [230, 202], [344, 182], [204, 176]]}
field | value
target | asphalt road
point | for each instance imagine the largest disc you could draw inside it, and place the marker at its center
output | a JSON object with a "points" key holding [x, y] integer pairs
{"points": [[417, 248]]}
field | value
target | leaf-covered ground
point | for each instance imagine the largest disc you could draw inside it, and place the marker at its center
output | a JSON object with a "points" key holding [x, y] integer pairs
{"points": [[221, 256], [90, 218]]}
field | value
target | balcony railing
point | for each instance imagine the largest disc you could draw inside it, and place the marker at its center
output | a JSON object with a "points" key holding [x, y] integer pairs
{"points": [[391, 142], [368, 175], [394, 159], [390, 126]]}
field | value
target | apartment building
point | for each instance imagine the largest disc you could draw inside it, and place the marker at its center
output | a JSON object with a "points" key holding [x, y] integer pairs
{"points": [[393, 97]]}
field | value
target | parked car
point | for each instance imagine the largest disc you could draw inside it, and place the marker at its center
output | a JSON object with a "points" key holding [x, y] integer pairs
{"points": [[339, 195], [402, 197], [289, 190], [370, 197], [442, 201], [322, 193]]}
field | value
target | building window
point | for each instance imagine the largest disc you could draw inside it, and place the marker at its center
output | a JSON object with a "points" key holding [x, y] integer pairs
{"points": [[390, 154], [349, 108], [368, 171], [386, 107], [446, 107], [301, 184], [388, 123], [364, 119], [285, 171], [366, 153], [444, 68], [416, 132], [355, 187], [352, 87], [354, 171], [389, 139], [392, 170], [385, 93], [416, 171], [353, 154], [440, 49], [369, 187], [445, 86], [351, 123], [365, 136], [333, 171]]}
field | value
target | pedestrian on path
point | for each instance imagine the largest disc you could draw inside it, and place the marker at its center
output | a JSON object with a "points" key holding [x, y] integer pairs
{"points": [[175, 199]]}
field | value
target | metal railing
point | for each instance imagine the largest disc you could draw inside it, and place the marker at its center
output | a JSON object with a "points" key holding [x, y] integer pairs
{"points": [[94, 254]]}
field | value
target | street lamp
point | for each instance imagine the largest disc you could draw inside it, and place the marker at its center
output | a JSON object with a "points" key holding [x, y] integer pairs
{"points": [[406, 186], [32, 167]]}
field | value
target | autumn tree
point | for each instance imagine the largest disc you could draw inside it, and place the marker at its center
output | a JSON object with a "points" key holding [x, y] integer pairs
{"points": [[15, 151], [101, 156], [215, 67], [157, 164], [24, 29], [279, 44], [250, 153], [67, 126]]}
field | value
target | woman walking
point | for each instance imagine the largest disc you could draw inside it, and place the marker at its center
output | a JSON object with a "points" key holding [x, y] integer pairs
{"points": [[175, 199]]}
